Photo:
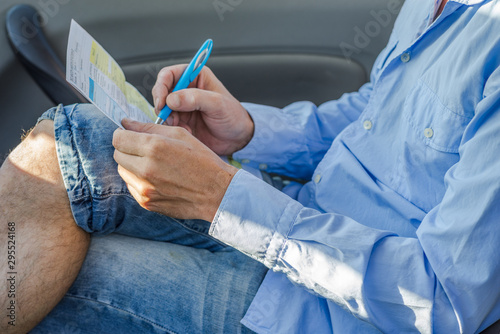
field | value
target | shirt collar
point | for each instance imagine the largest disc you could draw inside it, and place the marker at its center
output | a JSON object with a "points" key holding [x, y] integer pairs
{"points": [[468, 2], [463, 2]]}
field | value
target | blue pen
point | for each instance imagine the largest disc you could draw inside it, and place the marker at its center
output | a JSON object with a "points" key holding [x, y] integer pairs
{"points": [[190, 73]]}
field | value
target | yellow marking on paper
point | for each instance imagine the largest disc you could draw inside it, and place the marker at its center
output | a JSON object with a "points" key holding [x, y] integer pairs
{"points": [[107, 65], [136, 99]]}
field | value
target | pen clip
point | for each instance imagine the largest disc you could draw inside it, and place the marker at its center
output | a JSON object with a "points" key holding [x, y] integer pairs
{"points": [[199, 60]]}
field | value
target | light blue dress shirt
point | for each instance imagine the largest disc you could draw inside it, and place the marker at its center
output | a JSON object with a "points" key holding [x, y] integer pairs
{"points": [[398, 230]]}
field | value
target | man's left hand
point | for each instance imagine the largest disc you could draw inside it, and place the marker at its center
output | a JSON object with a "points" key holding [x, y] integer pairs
{"points": [[169, 171]]}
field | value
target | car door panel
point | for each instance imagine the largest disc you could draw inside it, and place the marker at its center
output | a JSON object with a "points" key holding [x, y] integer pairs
{"points": [[271, 52], [272, 79]]}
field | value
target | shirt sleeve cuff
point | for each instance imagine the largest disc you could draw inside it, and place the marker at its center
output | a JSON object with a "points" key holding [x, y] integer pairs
{"points": [[254, 218], [274, 138], [254, 151]]}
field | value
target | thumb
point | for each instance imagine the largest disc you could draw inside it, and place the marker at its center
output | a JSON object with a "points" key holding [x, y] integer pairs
{"points": [[192, 99]]}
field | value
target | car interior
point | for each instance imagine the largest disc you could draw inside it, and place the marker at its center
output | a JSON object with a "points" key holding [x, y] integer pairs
{"points": [[267, 52]]}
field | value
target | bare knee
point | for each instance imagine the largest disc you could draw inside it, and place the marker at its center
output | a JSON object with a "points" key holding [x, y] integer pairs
{"points": [[36, 155], [51, 247]]}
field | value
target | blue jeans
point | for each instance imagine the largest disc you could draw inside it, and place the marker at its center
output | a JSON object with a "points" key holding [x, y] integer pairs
{"points": [[144, 272]]}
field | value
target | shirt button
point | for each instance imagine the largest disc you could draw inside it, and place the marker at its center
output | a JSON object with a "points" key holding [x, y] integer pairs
{"points": [[428, 133], [245, 161], [405, 57], [262, 166], [317, 178], [367, 125]]}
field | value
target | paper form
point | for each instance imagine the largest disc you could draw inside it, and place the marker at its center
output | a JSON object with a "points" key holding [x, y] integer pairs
{"points": [[95, 74]]}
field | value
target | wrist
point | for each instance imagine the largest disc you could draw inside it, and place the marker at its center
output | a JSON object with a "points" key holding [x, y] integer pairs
{"points": [[247, 133], [222, 181]]}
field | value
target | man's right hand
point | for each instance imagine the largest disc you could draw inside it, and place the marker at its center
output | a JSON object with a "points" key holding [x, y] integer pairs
{"points": [[206, 109]]}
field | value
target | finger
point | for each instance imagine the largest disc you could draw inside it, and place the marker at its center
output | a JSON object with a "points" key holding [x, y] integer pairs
{"points": [[132, 163], [140, 127], [160, 93], [152, 142], [129, 177], [196, 99], [165, 83], [187, 118], [186, 126], [135, 185], [179, 120], [128, 142], [173, 119]]}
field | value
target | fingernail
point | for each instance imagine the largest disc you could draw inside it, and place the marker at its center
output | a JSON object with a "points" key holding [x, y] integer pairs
{"points": [[170, 120], [157, 101], [174, 101]]}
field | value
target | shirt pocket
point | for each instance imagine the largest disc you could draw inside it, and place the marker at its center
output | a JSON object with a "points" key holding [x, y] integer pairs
{"points": [[433, 124], [431, 134]]}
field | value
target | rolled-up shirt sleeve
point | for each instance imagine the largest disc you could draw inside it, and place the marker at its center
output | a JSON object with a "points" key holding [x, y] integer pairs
{"points": [[364, 270]]}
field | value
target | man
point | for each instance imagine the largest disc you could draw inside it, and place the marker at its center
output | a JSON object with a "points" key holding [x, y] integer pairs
{"points": [[396, 232]]}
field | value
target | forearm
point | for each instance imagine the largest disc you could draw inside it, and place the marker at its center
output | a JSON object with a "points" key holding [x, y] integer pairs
{"points": [[292, 141], [360, 268]]}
